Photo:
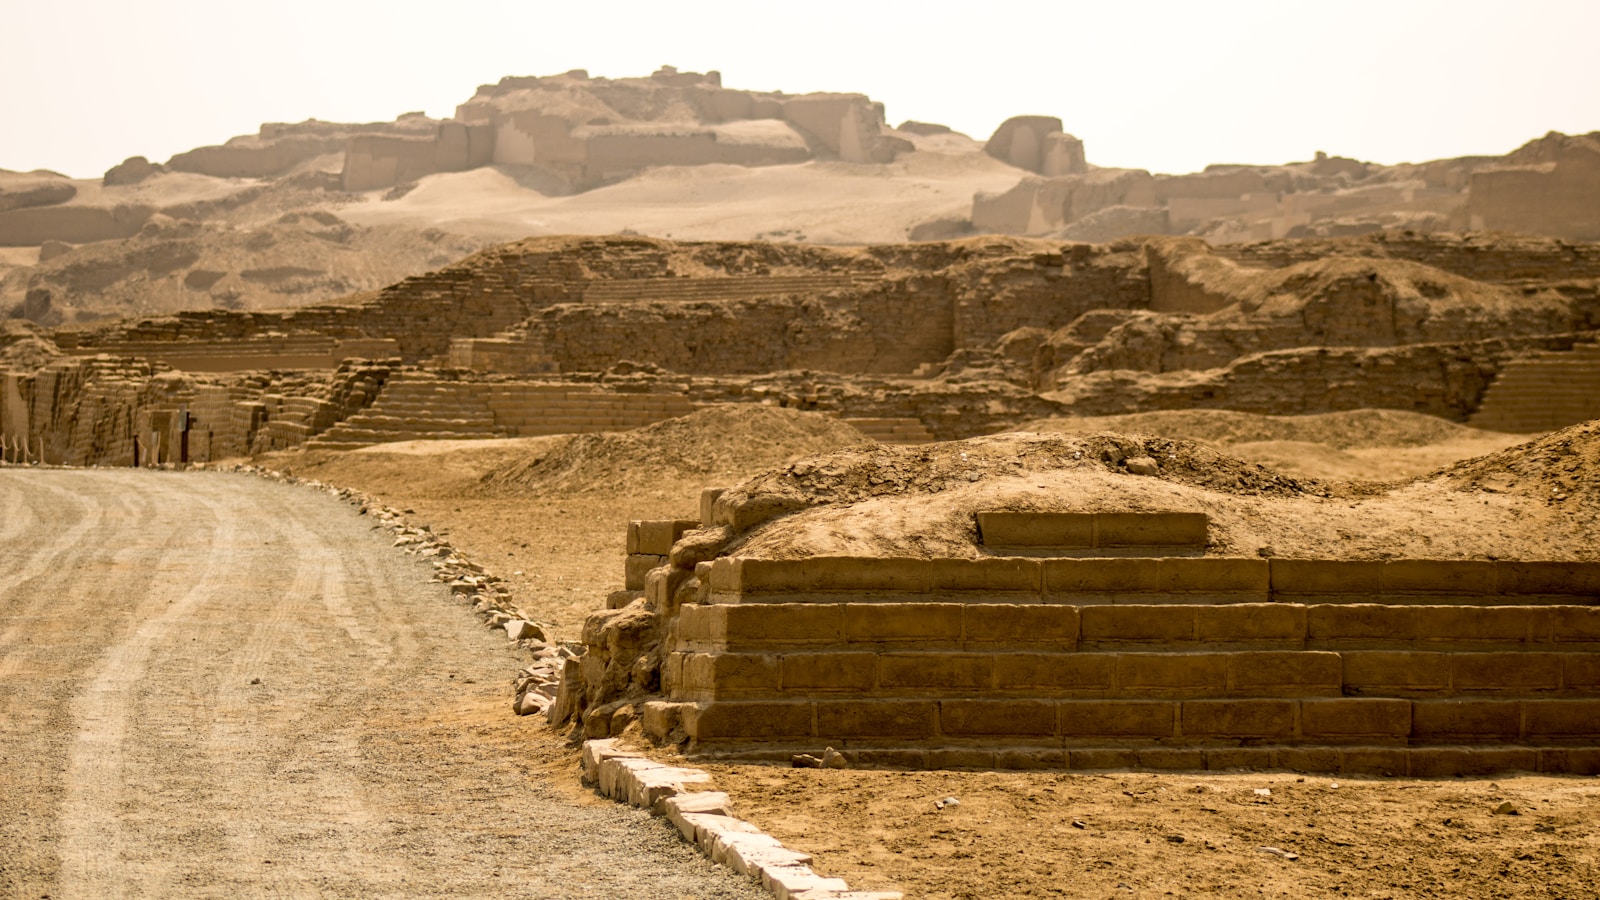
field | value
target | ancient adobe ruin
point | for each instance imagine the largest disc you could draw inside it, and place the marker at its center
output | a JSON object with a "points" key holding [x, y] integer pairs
{"points": [[937, 340]]}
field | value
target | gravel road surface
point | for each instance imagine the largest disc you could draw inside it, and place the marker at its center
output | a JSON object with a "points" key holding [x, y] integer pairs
{"points": [[220, 686]]}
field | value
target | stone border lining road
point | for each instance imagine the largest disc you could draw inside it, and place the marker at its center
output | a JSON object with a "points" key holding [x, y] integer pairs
{"points": [[705, 819]]}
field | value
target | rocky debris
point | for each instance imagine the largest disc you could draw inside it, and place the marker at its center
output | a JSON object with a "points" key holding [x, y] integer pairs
{"points": [[705, 819]]}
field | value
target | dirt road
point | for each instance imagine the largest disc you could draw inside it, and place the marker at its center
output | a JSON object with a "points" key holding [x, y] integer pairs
{"points": [[213, 685]]}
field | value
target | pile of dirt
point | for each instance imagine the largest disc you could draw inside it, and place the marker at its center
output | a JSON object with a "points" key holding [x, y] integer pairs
{"points": [[1558, 468], [1357, 429], [919, 501], [720, 444]]}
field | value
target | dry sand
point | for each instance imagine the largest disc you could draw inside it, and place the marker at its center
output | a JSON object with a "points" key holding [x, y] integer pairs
{"points": [[820, 202], [1062, 834]]}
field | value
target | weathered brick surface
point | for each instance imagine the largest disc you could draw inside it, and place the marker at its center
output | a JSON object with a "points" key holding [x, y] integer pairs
{"points": [[1239, 718], [936, 671], [1134, 624], [1280, 624], [919, 623], [1011, 625], [1470, 720], [835, 671], [998, 717], [1344, 719], [1172, 674], [1396, 672], [1118, 718], [909, 719], [753, 720], [1287, 673], [1051, 673]]}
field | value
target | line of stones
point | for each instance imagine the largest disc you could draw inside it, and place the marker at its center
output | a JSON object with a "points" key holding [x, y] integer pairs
{"points": [[705, 819]]}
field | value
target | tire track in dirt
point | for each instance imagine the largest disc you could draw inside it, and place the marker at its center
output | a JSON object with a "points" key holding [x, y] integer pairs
{"points": [[250, 694], [93, 859]]}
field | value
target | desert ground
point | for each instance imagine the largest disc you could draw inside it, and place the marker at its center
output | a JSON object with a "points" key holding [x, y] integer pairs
{"points": [[580, 302], [557, 535]]}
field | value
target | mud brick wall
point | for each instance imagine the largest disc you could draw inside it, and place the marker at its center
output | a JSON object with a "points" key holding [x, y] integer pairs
{"points": [[1421, 667]]}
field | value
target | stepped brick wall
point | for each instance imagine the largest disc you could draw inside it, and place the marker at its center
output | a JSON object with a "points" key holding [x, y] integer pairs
{"points": [[107, 411], [1420, 667], [296, 351], [421, 408], [1543, 392]]}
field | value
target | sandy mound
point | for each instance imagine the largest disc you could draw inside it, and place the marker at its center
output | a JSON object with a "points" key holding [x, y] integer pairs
{"points": [[1352, 430], [718, 445], [1558, 469], [920, 502]]}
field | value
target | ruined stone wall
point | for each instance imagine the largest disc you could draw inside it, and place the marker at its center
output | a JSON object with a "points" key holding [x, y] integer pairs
{"points": [[1494, 258], [1445, 380]]}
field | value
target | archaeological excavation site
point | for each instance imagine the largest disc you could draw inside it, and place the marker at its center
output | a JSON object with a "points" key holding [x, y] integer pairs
{"points": [[894, 512]]}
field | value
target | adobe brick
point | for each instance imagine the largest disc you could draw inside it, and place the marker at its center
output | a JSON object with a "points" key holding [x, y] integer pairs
{"points": [[1133, 623], [1284, 673], [1172, 759], [1117, 718], [1230, 623], [1580, 672], [1086, 672], [829, 671], [1238, 718], [1547, 577], [991, 575], [960, 758], [1069, 577], [1031, 758], [1171, 674], [1575, 624], [724, 720], [1510, 672], [1214, 575], [1392, 761], [1019, 718], [782, 623], [1325, 576], [877, 718], [1438, 576], [1561, 718], [1150, 529], [724, 674], [1010, 624], [657, 537], [1361, 622], [1446, 762], [697, 624], [1102, 758], [1355, 717], [833, 573], [1222, 759], [1467, 624], [1308, 759], [1032, 529], [936, 671], [1395, 671], [920, 623], [1570, 760], [1438, 720]]}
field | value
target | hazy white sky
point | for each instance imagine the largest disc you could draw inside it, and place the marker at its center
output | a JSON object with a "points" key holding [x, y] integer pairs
{"points": [[1168, 85]]}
